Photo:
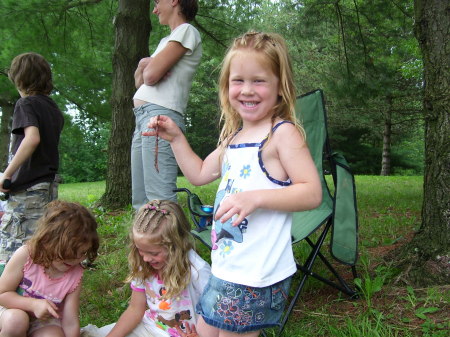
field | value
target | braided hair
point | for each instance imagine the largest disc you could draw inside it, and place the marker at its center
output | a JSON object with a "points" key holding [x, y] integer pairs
{"points": [[163, 223]]}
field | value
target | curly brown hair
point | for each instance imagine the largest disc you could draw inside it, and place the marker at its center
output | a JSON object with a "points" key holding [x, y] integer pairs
{"points": [[31, 74], [62, 232]]}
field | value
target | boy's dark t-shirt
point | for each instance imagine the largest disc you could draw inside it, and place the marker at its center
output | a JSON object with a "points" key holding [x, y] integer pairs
{"points": [[42, 112]]}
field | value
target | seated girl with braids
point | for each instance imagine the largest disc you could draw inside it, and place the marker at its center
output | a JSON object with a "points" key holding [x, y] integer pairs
{"points": [[167, 276]]}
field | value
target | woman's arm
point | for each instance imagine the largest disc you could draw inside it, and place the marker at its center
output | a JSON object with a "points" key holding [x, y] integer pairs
{"points": [[159, 65], [70, 320], [132, 316], [10, 280]]}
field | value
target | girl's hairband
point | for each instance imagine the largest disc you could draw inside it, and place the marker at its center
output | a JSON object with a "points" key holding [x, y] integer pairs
{"points": [[154, 206]]}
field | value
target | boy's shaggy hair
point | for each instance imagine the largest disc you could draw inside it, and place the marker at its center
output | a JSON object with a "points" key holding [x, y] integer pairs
{"points": [[31, 74]]}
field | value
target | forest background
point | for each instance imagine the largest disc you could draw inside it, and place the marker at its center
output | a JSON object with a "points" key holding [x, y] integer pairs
{"points": [[383, 65], [363, 54]]}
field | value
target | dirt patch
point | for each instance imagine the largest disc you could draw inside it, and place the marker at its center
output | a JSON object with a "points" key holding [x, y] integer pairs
{"points": [[407, 308]]}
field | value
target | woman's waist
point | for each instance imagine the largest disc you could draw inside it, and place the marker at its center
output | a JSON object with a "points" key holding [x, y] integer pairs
{"points": [[138, 102]]}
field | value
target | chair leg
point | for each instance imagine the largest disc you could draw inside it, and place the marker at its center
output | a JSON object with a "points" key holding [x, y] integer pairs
{"points": [[307, 271], [343, 285]]}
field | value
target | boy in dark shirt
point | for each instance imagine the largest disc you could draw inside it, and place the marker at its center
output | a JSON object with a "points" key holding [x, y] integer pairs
{"points": [[36, 128]]}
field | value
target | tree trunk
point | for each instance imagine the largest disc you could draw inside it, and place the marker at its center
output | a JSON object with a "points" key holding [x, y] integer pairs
{"points": [[386, 155], [5, 132], [133, 28], [429, 248]]}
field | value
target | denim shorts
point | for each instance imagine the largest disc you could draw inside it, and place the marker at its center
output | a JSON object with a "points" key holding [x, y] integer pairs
{"points": [[239, 308]]}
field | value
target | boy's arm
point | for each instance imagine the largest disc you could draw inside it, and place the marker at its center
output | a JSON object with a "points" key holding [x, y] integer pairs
{"points": [[26, 148], [132, 316], [70, 321], [304, 193], [197, 171]]}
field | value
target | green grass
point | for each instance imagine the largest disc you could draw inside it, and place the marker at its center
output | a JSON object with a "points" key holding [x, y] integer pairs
{"points": [[389, 211]]}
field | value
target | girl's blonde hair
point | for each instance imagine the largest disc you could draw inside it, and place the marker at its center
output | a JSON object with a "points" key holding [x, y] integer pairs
{"points": [[165, 225], [63, 230], [272, 47]]}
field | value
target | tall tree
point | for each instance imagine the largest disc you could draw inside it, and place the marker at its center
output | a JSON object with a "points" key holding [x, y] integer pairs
{"points": [[133, 28], [427, 256]]}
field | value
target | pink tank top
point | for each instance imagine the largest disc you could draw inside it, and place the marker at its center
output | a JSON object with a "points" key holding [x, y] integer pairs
{"points": [[37, 284]]}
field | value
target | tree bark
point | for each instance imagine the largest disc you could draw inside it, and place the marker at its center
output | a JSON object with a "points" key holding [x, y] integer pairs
{"points": [[429, 249], [7, 108], [132, 24], [386, 154]]}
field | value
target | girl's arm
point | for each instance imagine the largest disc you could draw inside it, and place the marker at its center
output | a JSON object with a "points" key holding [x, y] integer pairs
{"points": [[304, 193], [132, 316], [197, 171], [70, 320], [25, 150], [10, 280]]}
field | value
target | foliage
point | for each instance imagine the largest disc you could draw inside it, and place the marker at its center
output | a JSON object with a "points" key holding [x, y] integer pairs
{"points": [[83, 152], [355, 94], [202, 115], [365, 57]]}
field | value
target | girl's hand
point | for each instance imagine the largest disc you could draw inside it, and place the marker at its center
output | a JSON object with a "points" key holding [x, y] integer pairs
{"points": [[240, 204], [164, 126], [190, 330], [45, 309]]}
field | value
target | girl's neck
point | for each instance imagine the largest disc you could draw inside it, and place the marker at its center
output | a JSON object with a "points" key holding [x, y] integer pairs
{"points": [[253, 132], [53, 273]]}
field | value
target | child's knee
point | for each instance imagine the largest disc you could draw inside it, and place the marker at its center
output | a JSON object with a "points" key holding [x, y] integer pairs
{"points": [[14, 322]]}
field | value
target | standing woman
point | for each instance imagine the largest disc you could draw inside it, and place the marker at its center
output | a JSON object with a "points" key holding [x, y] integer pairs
{"points": [[163, 81]]}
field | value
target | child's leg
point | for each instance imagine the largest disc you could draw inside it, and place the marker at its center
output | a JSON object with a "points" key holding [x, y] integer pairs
{"points": [[206, 330], [13, 323], [224, 333], [49, 330]]}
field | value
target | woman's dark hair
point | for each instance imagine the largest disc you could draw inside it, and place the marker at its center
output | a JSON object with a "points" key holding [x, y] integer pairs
{"points": [[189, 8]]}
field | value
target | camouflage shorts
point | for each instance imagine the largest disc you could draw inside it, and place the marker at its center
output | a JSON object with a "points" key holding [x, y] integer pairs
{"points": [[22, 211]]}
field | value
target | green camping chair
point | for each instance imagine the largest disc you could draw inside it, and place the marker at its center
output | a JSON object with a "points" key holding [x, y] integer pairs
{"points": [[337, 212]]}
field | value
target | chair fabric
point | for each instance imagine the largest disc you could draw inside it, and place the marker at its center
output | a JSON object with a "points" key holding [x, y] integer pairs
{"points": [[311, 112]]}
